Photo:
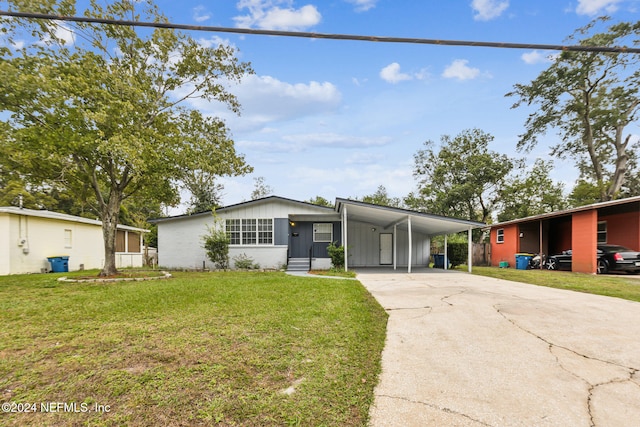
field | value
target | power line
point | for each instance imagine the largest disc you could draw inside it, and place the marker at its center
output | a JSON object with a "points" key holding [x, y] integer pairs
{"points": [[310, 35]]}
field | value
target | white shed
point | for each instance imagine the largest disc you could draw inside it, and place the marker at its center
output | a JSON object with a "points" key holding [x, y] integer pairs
{"points": [[29, 237]]}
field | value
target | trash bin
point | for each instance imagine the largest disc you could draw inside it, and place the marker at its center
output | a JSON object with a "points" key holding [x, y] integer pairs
{"points": [[59, 264], [522, 261], [438, 261]]}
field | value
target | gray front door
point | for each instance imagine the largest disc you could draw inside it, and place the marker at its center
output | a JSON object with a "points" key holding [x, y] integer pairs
{"points": [[386, 248], [300, 239]]}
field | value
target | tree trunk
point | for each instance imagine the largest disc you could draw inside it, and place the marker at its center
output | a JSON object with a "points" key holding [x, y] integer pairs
{"points": [[110, 213]]}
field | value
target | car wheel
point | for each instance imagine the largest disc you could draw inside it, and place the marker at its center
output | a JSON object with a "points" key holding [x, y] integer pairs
{"points": [[552, 264], [602, 267]]}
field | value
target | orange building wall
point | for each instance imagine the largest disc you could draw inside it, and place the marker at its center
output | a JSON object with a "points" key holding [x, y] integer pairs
{"points": [[504, 251], [623, 229], [583, 241]]}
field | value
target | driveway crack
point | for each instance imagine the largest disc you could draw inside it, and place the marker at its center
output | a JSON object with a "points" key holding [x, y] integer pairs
{"points": [[436, 407], [631, 372]]}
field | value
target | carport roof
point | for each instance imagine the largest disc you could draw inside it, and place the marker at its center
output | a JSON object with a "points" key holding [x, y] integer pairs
{"points": [[386, 217], [555, 214]]}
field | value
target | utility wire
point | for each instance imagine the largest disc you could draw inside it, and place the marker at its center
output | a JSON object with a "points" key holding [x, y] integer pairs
{"points": [[302, 34]]}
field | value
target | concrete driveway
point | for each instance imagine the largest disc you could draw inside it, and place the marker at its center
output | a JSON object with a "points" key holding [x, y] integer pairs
{"points": [[465, 350]]}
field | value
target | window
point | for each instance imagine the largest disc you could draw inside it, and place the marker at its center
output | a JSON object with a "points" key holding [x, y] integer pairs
{"points": [[250, 231], [323, 232], [265, 231], [233, 230], [602, 231], [500, 235], [67, 238]]}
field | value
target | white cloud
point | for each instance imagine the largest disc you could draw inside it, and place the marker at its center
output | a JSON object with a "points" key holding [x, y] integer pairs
{"points": [[362, 179], [391, 73], [459, 69], [330, 139], [594, 7], [363, 5], [200, 14], [486, 10], [535, 57], [268, 15], [265, 100], [364, 158]]}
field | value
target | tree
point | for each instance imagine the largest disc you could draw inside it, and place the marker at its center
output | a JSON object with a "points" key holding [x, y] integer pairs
{"points": [[531, 193], [260, 189], [590, 98], [320, 201], [462, 179], [381, 197], [109, 110], [206, 193], [216, 244]]}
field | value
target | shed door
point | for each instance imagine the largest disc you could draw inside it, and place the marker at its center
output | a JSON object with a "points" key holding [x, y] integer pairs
{"points": [[386, 249]]}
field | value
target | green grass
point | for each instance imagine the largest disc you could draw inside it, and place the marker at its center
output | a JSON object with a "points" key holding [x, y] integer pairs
{"points": [[620, 286], [198, 349]]}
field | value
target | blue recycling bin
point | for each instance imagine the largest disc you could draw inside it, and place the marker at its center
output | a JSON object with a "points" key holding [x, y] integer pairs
{"points": [[522, 261], [438, 261], [59, 264]]}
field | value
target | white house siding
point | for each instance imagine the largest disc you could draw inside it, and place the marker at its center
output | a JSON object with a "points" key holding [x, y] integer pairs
{"points": [[5, 245], [363, 245], [28, 238], [180, 242], [45, 238]]}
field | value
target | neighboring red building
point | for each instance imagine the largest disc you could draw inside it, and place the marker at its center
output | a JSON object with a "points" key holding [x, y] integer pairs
{"points": [[579, 229]]}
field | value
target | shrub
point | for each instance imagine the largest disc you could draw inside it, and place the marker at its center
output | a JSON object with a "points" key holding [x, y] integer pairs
{"points": [[336, 253], [457, 253], [216, 243], [243, 262]]}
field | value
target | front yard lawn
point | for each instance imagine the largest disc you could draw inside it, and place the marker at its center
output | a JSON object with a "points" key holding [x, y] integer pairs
{"points": [[618, 285], [232, 348]]}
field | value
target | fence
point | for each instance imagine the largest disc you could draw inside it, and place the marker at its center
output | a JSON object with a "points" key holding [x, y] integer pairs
{"points": [[481, 252]]}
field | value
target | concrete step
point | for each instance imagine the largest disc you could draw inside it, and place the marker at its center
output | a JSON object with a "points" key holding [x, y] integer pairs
{"points": [[298, 264]]}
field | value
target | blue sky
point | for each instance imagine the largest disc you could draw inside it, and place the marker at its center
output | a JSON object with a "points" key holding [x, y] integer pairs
{"points": [[339, 118]]}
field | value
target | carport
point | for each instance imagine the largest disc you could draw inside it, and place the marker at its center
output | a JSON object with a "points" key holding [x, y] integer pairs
{"points": [[389, 223], [580, 229]]}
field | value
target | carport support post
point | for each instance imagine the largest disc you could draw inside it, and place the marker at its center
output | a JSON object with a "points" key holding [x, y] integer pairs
{"points": [[410, 242], [395, 245], [446, 260], [470, 249], [344, 237]]}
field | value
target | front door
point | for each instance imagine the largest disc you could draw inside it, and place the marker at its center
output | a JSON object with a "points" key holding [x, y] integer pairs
{"points": [[386, 248], [300, 239]]}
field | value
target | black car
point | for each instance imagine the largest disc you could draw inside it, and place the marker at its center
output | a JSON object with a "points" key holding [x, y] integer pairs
{"points": [[610, 258]]}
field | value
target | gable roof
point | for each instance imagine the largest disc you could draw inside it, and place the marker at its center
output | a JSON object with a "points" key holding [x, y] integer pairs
{"points": [[555, 214], [13, 210], [381, 216], [268, 199]]}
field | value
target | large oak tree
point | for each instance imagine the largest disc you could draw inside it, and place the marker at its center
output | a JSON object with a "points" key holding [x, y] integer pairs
{"points": [[590, 98], [106, 106]]}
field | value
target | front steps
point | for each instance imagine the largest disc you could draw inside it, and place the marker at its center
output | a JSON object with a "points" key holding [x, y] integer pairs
{"points": [[298, 264]]}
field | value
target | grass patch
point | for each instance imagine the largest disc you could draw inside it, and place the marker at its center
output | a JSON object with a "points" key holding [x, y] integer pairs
{"points": [[334, 272], [198, 349], [610, 285]]}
